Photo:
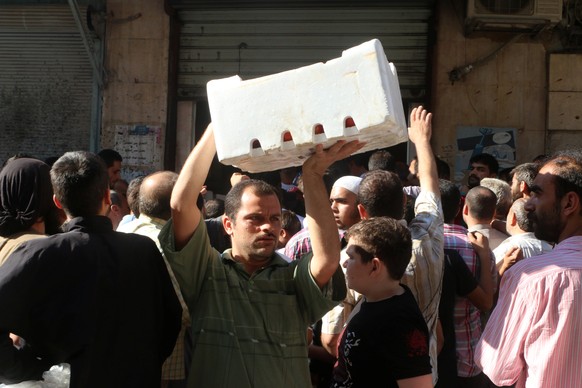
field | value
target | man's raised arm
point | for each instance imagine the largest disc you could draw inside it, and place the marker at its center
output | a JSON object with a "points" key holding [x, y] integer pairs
{"points": [[420, 132], [185, 214], [320, 221]]}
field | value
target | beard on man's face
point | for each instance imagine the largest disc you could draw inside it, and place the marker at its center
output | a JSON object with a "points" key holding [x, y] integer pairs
{"points": [[473, 181], [547, 227]]}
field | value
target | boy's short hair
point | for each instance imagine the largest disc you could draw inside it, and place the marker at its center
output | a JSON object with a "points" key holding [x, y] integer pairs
{"points": [[384, 238]]}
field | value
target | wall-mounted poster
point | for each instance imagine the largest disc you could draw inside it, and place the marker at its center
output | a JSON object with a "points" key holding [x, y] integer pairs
{"points": [[141, 148], [499, 142]]}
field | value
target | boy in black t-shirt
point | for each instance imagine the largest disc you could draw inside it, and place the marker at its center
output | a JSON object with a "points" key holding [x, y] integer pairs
{"points": [[386, 343]]}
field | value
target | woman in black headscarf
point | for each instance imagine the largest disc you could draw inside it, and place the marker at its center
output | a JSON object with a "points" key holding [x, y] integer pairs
{"points": [[25, 203]]}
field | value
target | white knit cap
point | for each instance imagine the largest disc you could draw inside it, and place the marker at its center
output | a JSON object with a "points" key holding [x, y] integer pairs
{"points": [[349, 182]]}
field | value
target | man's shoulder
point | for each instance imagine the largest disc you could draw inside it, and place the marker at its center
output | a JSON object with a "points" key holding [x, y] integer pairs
{"points": [[545, 265]]}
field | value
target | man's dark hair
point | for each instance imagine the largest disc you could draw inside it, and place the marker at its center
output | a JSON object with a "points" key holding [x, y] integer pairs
{"points": [[382, 160], [488, 160], [133, 194], [525, 172], [381, 194], [116, 198], [110, 156], [290, 222], [360, 159], [443, 169], [567, 172], [232, 202], [155, 201], [523, 221], [80, 182], [481, 202], [451, 200], [214, 208], [384, 238]]}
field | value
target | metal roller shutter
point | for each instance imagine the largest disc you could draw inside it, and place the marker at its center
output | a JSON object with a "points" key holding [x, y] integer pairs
{"points": [[253, 42], [46, 82]]}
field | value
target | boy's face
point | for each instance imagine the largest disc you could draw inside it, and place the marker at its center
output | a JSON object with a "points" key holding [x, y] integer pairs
{"points": [[357, 272]]}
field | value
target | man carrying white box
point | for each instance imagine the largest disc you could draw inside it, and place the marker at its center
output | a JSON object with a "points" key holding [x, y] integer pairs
{"points": [[250, 308]]}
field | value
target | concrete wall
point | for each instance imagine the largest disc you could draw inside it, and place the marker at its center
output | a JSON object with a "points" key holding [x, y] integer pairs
{"points": [[137, 89], [508, 91]]}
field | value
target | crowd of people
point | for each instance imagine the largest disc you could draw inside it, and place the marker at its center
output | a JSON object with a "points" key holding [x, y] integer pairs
{"points": [[351, 271]]}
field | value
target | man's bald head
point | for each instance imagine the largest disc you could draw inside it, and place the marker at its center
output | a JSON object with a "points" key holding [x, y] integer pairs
{"points": [[481, 203], [155, 193]]}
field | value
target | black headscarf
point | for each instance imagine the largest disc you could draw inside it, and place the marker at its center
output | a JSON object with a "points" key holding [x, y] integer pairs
{"points": [[25, 194]]}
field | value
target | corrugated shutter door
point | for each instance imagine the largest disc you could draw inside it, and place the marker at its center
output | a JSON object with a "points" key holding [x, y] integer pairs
{"points": [[220, 43], [46, 82]]}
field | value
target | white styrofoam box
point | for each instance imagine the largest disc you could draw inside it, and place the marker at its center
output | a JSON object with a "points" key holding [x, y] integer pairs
{"points": [[361, 85]]}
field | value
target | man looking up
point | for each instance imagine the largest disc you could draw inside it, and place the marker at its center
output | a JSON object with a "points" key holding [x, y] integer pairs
{"points": [[250, 308], [534, 335]]}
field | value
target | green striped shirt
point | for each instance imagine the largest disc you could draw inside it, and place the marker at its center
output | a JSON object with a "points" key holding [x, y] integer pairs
{"points": [[249, 331]]}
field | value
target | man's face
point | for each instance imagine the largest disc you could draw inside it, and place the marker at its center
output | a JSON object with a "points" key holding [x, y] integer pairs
{"points": [[478, 172], [344, 207], [257, 227], [114, 173], [515, 190], [543, 208]]}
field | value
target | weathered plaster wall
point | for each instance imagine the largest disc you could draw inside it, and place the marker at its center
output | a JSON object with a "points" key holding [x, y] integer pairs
{"points": [[510, 90], [137, 65]]}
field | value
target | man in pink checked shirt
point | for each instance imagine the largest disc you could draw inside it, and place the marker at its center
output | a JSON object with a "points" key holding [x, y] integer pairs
{"points": [[534, 336]]}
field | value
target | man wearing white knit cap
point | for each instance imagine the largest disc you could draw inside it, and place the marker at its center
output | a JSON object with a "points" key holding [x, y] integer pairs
{"points": [[344, 201], [344, 204]]}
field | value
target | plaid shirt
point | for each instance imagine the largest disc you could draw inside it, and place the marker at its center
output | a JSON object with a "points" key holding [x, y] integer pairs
{"points": [[467, 317], [300, 244]]}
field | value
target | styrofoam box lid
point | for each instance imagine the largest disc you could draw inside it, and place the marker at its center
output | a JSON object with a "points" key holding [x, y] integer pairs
{"points": [[283, 112]]}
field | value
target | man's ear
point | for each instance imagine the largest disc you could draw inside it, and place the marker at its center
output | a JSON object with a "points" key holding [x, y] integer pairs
{"points": [[570, 203], [376, 266], [108, 197], [227, 224], [57, 202], [283, 233], [362, 211], [523, 188], [465, 210], [512, 220]]}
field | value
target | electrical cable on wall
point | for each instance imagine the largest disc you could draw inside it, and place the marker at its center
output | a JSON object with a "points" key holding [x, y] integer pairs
{"points": [[459, 72]]}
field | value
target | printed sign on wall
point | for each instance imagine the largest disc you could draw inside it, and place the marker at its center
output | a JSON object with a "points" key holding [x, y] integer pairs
{"points": [[141, 148], [499, 142]]}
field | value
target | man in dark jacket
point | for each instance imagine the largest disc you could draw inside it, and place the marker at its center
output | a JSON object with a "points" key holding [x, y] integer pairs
{"points": [[99, 300]]}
